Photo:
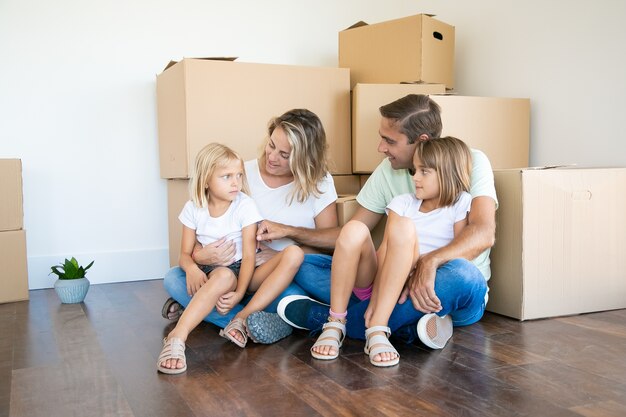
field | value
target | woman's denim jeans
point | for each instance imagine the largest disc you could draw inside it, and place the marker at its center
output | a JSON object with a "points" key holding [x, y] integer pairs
{"points": [[175, 283]]}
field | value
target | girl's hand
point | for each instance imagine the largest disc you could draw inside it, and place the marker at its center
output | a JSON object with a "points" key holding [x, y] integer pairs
{"points": [[195, 279], [227, 301]]}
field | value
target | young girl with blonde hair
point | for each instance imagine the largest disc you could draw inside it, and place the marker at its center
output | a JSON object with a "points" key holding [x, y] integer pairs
{"points": [[417, 224], [218, 208]]}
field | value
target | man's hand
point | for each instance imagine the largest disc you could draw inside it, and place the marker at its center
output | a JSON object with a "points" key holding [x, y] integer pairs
{"points": [[195, 279], [218, 253], [227, 301], [268, 231], [421, 287]]}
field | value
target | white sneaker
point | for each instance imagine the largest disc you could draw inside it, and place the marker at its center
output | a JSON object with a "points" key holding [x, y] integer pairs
{"points": [[434, 331]]}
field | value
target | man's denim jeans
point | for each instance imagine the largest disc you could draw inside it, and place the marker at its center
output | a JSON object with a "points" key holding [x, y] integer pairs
{"points": [[460, 286]]}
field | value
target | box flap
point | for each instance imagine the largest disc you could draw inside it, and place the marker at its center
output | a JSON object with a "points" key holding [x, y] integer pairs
{"points": [[544, 167], [357, 25], [219, 58], [362, 23]]}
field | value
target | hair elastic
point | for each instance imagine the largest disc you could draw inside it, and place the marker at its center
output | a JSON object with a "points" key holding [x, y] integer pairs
{"points": [[337, 315]]}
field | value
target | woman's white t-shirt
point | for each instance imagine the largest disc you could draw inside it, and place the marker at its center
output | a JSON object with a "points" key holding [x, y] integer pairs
{"points": [[241, 213], [435, 229], [273, 203]]}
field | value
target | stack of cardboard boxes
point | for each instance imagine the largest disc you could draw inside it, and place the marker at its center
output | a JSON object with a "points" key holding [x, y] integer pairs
{"points": [[205, 100], [13, 269]]}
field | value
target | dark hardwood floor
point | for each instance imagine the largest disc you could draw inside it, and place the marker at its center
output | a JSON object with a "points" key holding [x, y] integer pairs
{"points": [[98, 359]]}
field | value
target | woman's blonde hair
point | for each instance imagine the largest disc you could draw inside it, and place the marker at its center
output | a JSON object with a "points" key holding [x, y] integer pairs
{"points": [[452, 161], [211, 157], [308, 158]]}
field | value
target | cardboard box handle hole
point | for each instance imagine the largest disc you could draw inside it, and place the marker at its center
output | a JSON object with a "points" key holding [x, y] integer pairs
{"points": [[438, 35]]}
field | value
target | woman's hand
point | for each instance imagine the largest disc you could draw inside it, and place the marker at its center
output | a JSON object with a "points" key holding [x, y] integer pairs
{"points": [[227, 301], [218, 253]]}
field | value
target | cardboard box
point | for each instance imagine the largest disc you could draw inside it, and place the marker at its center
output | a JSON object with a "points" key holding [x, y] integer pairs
{"points": [[500, 127], [177, 196], [560, 241], [203, 100], [11, 203], [411, 49], [14, 276], [347, 184], [347, 206]]}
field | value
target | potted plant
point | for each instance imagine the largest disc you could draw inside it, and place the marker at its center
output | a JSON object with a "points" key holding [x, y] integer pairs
{"points": [[72, 286]]}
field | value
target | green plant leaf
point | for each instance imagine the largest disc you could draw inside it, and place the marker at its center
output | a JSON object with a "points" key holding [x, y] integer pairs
{"points": [[71, 269], [89, 266]]}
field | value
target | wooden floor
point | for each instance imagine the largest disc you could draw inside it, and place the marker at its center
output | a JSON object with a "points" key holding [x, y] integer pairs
{"points": [[98, 359]]}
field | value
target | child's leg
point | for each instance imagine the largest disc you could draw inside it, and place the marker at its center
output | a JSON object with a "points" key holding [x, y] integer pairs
{"points": [[395, 264], [221, 280], [354, 264], [271, 278]]}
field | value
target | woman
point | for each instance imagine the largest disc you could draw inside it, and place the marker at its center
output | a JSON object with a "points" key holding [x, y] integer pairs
{"points": [[290, 184]]}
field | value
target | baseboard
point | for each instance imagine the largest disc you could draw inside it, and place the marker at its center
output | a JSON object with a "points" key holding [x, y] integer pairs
{"points": [[108, 267]]}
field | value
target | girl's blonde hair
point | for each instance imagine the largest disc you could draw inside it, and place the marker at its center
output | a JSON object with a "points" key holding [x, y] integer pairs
{"points": [[308, 158], [452, 161], [211, 157]]}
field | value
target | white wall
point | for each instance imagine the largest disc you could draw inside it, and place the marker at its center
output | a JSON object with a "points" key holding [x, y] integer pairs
{"points": [[77, 97]]}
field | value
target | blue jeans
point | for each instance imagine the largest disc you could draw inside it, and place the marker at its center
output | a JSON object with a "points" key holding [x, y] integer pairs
{"points": [[314, 278], [175, 283], [460, 286]]}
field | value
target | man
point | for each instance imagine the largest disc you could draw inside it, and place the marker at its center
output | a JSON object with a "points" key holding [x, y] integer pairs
{"points": [[404, 123]]}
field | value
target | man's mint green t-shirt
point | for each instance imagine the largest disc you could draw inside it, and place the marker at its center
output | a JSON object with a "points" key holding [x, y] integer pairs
{"points": [[385, 183]]}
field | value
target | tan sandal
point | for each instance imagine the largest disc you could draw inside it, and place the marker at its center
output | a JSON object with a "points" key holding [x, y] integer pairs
{"points": [[237, 325], [380, 340], [172, 315], [173, 349], [329, 337]]}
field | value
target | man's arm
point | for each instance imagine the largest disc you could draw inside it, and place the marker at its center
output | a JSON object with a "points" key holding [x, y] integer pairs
{"points": [[476, 237], [324, 235]]}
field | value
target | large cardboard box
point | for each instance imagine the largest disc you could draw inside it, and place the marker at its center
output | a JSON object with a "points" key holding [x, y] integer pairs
{"points": [[177, 196], [500, 127], [560, 239], [411, 49], [203, 100], [11, 205], [13, 267], [347, 184]]}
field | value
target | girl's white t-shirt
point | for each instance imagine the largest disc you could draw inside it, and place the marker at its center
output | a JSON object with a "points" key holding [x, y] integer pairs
{"points": [[241, 213], [435, 229], [273, 203]]}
